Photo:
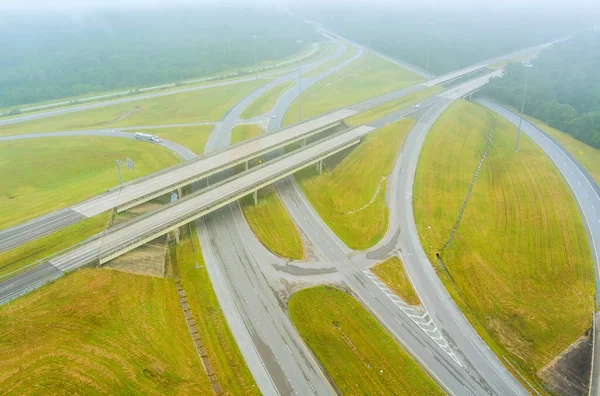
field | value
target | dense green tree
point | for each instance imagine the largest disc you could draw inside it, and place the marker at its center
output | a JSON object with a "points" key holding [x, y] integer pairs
{"points": [[563, 89], [47, 57]]}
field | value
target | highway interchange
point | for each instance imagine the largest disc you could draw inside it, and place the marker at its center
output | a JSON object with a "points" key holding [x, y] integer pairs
{"points": [[251, 282]]}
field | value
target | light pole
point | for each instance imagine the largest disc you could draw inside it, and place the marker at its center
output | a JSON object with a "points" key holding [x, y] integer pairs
{"points": [[255, 58], [527, 67], [299, 88]]}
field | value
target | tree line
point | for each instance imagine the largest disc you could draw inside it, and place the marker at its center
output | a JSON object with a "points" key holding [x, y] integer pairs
{"points": [[47, 57], [563, 87]]}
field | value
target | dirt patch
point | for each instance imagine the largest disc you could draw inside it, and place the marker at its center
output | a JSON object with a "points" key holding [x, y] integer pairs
{"points": [[124, 115], [148, 259], [569, 373]]}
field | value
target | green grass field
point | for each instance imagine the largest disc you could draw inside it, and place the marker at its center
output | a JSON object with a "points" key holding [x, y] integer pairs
{"points": [[521, 265], [209, 104], [361, 357], [393, 274], [273, 225], [362, 79], [244, 132], [380, 111], [227, 361], [266, 101], [15, 260], [194, 138], [338, 60], [588, 156], [99, 332], [346, 198], [46, 174]]}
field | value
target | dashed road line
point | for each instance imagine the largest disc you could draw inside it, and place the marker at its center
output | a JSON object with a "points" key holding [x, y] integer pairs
{"points": [[433, 333]]}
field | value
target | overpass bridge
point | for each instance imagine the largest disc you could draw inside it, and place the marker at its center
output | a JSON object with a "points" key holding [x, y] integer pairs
{"points": [[163, 182], [127, 236]]}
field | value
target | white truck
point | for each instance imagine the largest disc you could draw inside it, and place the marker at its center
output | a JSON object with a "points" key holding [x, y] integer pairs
{"points": [[148, 137]]}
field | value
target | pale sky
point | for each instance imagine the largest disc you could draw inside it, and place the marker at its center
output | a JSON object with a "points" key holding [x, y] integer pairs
{"points": [[91, 5]]}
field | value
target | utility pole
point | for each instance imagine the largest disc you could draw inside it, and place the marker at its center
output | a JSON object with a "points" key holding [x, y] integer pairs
{"points": [[119, 169], [527, 67], [255, 58], [299, 88]]}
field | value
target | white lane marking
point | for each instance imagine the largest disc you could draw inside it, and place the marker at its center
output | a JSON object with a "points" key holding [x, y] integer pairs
{"points": [[468, 390], [255, 290], [434, 334], [431, 353], [372, 295], [288, 347], [311, 386]]}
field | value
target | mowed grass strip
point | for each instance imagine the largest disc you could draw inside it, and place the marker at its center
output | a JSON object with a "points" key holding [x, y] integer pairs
{"points": [[338, 60], [42, 175], [99, 332], [266, 102], [393, 274], [209, 104], [587, 156], [351, 197], [359, 355], [380, 111], [32, 253], [244, 132], [272, 224], [226, 359], [192, 137], [364, 78], [521, 263]]}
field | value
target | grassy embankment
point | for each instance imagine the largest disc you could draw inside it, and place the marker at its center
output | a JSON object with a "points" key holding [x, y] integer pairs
{"points": [[269, 219], [99, 332], [266, 101], [351, 197], [338, 60], [227, 361], [46, 174], [380, 111], [323, 50], [393, 274], [194, 138], [520, 263], [362, 79], [209, 104], [273, 225], [361, 357], [588, 156], [42, 175], [244, 132]]}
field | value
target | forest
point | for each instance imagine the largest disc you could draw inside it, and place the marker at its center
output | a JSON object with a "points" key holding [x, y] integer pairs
{"points": [[563, 87], [51, 57], [453, 38]]}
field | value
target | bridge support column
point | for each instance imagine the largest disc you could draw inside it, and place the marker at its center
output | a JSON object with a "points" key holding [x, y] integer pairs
{"points": [[179, 193], [320, 166], [246, 165], [255, 196], [303, 142], [174, 235]]}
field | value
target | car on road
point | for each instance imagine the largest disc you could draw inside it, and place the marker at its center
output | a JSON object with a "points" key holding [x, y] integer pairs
{"points": [[147, 137], [418, 106], [274, 116]]}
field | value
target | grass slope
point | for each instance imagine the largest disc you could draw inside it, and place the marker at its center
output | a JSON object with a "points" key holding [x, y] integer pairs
{"points": [[46, 174], [521, 264], [266, 101], [393, 274], [380, 111], [352, 185], [16, 259], [209, 104], [244, 132], [588, 156], [362, 79], [227, 361], [194, 138], [99, 332], [338, 60], [361, 357], [273, 225]]}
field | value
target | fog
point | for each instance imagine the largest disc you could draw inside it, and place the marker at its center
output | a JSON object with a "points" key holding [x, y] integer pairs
{"points": [[572, 6]]}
